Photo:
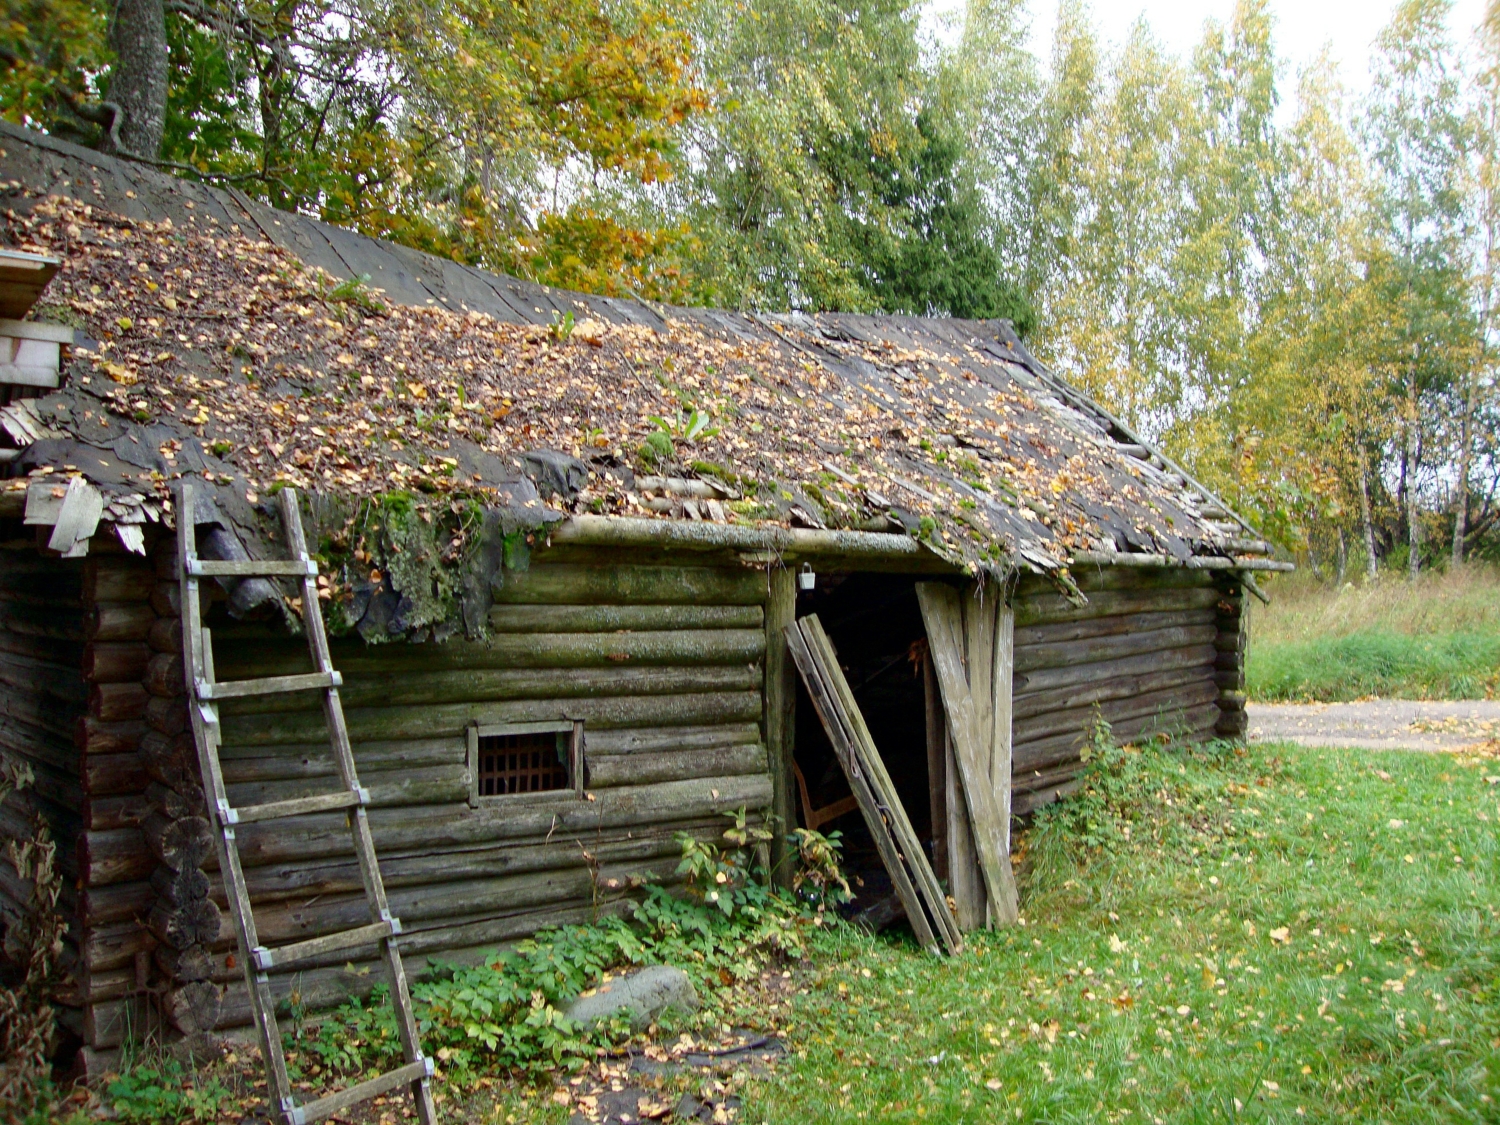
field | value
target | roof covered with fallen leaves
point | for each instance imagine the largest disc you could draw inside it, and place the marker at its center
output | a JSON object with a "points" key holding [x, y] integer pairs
{"points": [[213, 342]]}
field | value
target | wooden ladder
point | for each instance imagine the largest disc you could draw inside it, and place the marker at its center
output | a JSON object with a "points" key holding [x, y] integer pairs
{"points": [[204, 694]]}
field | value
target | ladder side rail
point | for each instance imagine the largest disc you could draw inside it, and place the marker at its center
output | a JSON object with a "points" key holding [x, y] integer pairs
{"points": [[358, 817], [198, 664]]}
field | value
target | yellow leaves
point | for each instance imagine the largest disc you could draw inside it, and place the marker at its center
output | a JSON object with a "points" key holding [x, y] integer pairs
{"points": [[1116, 945], [1281, 935], [125, 323], [121, 374]]}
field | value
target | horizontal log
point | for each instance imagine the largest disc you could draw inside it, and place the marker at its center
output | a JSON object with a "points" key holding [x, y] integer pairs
{"points": [[118, 902], [1081, 718], [18, 815], [1053, 607], [84, 989], [39, 745], [1024, 804], [40, 710], [120, 621], [324, 988], [1097, 649], [428, 785], [67, 654], [125, 811], [306, 877], [384, 723], [495, 685], [315, 760], [650, 741], [1231, 700], [459, 826], [1059, 632], [632, 585], [616, 618], [58, 582], [441, 904], [115, 661], [112, 944], [97, 736], [178, 843], [115, 703], [18, 673], [1094, 579], [123, 579], [1046, 679], [53, 620], [112, 775], [1098, 691], [115, 855], [1192, 723], [675, 765]]}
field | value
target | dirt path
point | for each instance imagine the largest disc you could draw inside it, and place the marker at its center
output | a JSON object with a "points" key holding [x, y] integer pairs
{"points": [[1385, 724]]}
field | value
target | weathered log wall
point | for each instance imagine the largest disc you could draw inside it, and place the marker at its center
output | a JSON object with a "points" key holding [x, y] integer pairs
{"points": [[664, 665], [1147, 654], [73, 651]]}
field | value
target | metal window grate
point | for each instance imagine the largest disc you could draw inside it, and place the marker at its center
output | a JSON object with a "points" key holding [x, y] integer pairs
{"points": [[522, 763]]}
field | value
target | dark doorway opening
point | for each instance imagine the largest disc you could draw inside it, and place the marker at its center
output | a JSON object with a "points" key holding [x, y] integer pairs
{"points": [[876, 628]]}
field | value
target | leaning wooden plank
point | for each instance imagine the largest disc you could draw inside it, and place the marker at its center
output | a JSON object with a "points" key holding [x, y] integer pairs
{"points": [[371, 1088], [828, 711], [868, 756], [942, 616]]}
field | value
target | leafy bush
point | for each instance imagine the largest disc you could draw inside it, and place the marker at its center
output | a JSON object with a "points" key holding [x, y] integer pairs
{"points": [[165, 1090], [507, 1012], [1126, 792]]}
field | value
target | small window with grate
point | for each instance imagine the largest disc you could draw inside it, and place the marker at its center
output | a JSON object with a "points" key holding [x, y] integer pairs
{"points": [[517, 759]]}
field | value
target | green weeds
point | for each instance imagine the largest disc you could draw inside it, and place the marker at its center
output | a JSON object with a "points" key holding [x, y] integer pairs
{"points": [[1220, 935]]}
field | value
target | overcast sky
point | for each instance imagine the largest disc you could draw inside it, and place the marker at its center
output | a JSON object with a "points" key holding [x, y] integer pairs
{"points": [[1302, 29]]}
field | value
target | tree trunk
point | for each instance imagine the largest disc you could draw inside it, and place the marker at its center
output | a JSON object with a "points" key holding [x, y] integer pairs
{"points": [[1342, 559], [1364, 514], [1413, 523], [138, 87]]}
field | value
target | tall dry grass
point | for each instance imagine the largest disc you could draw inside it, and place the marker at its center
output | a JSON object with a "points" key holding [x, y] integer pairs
{"points": [[1436, 638], [1462, 600]]}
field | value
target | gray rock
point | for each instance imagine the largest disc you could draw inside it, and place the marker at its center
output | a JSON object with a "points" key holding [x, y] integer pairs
{"points": [[643, 994]]}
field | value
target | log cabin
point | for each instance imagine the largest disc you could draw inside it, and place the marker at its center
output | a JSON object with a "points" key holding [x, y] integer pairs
{"points": [[561, 538]]}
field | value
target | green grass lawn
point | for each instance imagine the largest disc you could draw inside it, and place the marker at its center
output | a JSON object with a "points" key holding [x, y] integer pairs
{"points": [[1437, 638], [1287, 935], [1263, 934]]}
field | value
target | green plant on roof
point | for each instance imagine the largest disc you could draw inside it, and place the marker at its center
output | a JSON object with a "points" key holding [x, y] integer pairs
{"points": [[656, 450], [690, 427], [561, 326], [351, 291]]}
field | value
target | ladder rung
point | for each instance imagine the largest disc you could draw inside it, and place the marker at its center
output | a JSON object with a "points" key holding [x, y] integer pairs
{"points": [[270, 685], [370, 1088], [251, 568], [329, 943], [296, 806]]}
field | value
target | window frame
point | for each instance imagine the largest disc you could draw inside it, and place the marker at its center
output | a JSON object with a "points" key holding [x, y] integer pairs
{"points": [[572, 728]]}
